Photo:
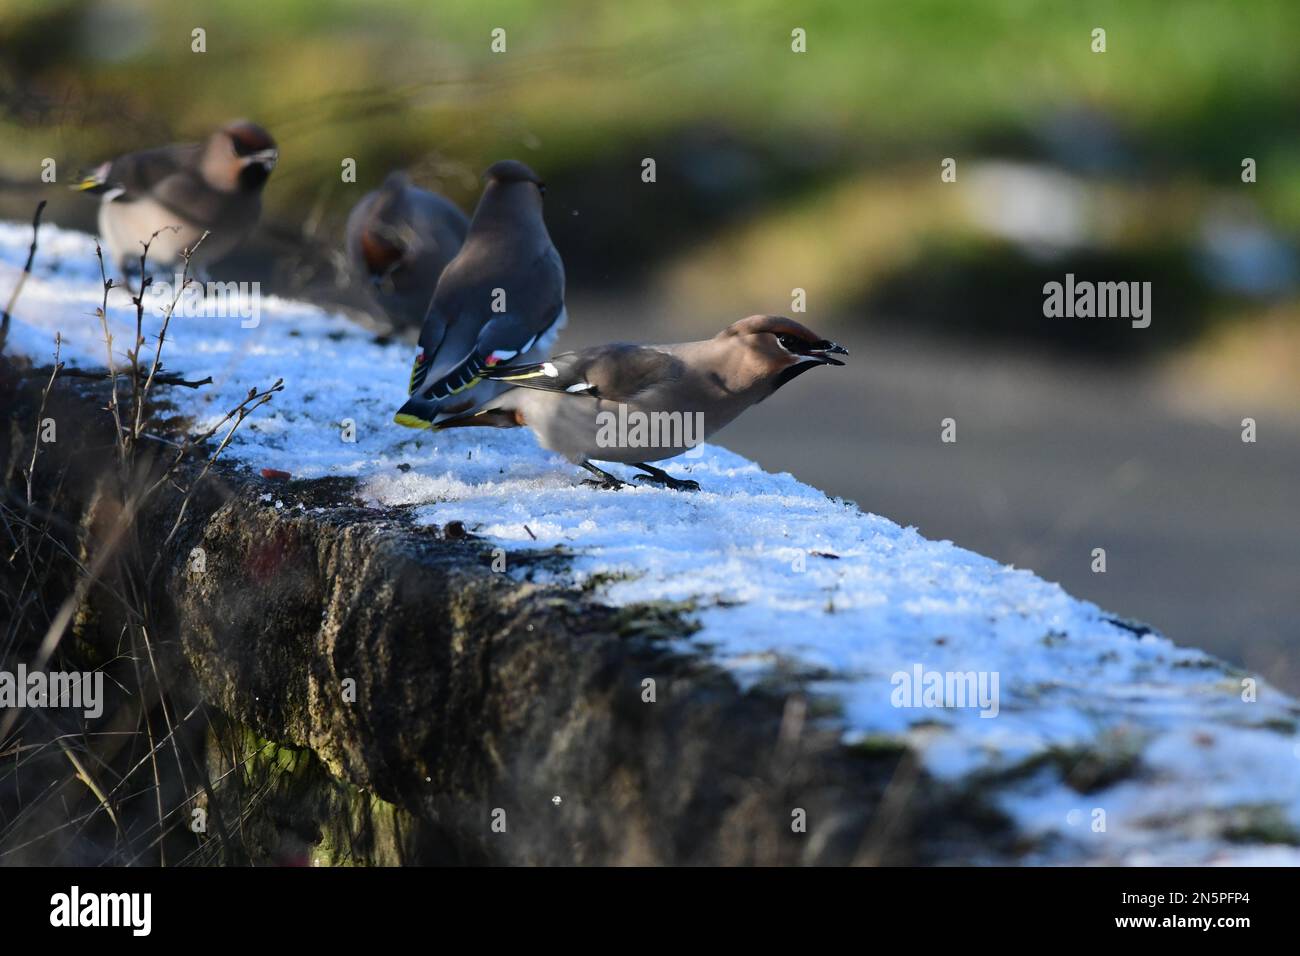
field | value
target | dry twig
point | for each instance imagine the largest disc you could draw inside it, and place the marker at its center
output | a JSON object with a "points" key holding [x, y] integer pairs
{"points": [[22, 279]]}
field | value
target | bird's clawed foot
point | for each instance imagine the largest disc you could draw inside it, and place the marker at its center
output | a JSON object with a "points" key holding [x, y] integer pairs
{"points": [[603, 480], [129, 278], [608, 484], [676, 484], [657, 476]]}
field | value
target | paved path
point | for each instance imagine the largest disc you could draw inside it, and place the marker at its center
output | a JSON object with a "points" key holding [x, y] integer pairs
{"points": [[1053, 459]]}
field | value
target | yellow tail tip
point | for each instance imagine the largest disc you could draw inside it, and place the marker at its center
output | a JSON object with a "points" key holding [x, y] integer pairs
{"points": [[411, 421]]}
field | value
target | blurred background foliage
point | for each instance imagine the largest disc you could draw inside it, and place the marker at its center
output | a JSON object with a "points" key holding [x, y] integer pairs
{"points": [[831, 155], [820, 171]]}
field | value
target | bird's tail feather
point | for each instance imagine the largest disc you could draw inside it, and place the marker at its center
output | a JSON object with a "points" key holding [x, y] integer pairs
{"points": [[419, 369], [417, 413], [424, 413], [488, 418]]}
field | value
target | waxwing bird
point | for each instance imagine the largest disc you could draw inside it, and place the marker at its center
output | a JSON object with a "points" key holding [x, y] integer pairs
{"points": [[500, 300], [641, 403], [185, 190], [399, 239]]}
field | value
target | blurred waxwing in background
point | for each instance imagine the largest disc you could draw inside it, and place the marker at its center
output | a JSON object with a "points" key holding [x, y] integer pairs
{"points": [[184, 189], [399, 240]]}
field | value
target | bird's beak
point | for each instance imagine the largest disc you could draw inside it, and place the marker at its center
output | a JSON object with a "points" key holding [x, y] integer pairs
{"points": [[823, 350]]}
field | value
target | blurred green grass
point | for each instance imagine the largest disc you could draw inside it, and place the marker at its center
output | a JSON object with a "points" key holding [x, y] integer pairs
{"points": [[392, 81], [750, 137]]}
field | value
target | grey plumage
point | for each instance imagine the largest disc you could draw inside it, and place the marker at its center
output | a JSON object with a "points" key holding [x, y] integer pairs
{"points": [[499, 301], [185, 190], [588, 404], [399, 240]]}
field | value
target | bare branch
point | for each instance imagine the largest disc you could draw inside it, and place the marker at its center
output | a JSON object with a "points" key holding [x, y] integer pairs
{"points": [[167, 318], [140, 390], [22, 279], [112, 369], [165, 378]]}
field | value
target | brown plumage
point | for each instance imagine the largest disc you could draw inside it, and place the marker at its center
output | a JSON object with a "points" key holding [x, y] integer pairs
{"points": [[185, 189], [637, 403], [399, 239]]}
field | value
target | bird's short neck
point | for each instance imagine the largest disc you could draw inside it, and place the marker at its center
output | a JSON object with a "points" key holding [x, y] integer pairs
{"points": [[733, 372]]}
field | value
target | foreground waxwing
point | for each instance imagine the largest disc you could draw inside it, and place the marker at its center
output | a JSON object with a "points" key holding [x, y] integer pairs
{"points": [[640, 403], [214, 186], [501, 300], [399, 239]]}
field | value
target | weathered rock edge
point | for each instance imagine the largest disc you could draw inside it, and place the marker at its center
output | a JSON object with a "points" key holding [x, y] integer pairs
{"points": [[476, 691]]}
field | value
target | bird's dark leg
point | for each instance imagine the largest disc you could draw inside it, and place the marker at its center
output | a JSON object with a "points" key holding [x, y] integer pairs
{"points": [[607, 481], [657, 476], [129, 271]]}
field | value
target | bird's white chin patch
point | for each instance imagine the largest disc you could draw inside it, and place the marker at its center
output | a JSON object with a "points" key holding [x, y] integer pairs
{"points": [[267, 157]]}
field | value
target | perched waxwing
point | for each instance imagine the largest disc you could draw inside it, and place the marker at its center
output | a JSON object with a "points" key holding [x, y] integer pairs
{"points": [[399, 239], [640, 403], [185, 190], [501, 300]]}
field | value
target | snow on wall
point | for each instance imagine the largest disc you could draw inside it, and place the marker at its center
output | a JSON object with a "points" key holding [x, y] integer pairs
{"points": [[783, 578]]}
